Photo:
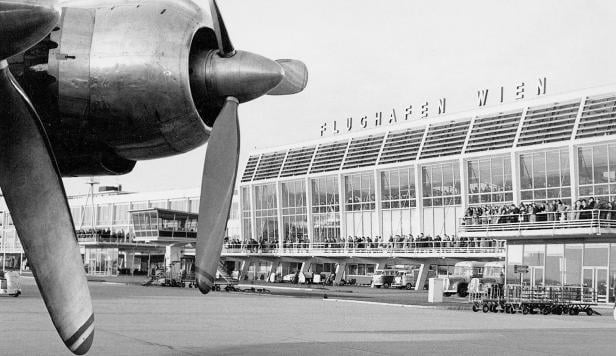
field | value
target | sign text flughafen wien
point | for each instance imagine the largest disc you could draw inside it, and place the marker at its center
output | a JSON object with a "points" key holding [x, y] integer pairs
{"points": [[483, 97]]}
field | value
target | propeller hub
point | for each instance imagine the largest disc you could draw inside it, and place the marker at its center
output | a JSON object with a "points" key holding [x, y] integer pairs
{"points": [[244, 75]]}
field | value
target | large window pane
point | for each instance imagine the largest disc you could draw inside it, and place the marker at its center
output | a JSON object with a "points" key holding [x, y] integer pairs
{"points": [[573, 264], [545, 175], [539, 176], [489, 180], [554, 257]]}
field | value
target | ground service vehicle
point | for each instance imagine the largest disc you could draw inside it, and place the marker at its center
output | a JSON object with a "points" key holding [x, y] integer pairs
{"points": [[10, 283], [383, 278], [405, 279], [463, 273]]}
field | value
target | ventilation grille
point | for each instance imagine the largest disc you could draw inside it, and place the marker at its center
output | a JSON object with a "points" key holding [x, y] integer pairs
{"points": [[269, 165], [401, 146], [551, 123], [598, 117], [363, 151], [445, 139], [329, 157], [494, 132], [297, 162], [249, 171]]}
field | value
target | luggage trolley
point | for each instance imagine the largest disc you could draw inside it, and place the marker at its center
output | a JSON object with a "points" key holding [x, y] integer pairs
{"points": [[527, 299], [486, 297]]}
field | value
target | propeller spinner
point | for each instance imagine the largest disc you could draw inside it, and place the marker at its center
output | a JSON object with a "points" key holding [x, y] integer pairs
{"points": [[237, 77]]}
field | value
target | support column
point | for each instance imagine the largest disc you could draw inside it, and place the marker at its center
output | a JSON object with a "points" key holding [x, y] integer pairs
{"points": [[309, 220], [150, 264], [421, 276], [573, 169], [340, 269], [172, 254], [515, 177], [130, 261], [273, 270], [419, 197], [244, 269], [281, 232]]}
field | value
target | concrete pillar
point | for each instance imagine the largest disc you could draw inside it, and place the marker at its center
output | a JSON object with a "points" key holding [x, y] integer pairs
{"points": [[172, 254], [340, 268], [130, 261], [421, 276], [273, 269], [244, 269]]}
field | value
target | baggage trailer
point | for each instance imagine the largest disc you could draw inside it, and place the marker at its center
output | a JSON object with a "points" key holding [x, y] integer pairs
{"points": [[527, 299]]}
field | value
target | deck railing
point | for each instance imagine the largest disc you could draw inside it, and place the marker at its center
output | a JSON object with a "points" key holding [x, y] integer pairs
{"points": [[483, 246], [572, 219]]}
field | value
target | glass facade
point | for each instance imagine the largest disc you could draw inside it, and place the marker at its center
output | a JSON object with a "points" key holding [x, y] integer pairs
{"points": [[545, 175], [398, 202], [398, 188], [597, 171], [325, 209], [591, 265], [145, 224], [442, 199], [489, 180], [441, 184], [360, 214], [266, 213], [294, 217], [101, 261]]}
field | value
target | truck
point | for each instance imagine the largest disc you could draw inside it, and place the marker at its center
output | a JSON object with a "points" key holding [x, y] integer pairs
{"points": [[491, 284], [463, 273]]}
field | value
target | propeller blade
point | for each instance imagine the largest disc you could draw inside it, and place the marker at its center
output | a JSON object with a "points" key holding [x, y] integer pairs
{"points": [[224, 42], [219, 173], [35, 196], [294, 80]]}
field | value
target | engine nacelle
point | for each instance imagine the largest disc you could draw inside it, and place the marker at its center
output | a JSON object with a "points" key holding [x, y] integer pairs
{"points": [[133, 94]]}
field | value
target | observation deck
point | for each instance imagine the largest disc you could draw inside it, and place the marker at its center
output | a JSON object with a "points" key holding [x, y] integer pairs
{"points": [[547, 225], [474, 249]]}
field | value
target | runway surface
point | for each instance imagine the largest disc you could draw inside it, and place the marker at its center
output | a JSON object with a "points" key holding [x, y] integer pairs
{"points": [[135, 320]]}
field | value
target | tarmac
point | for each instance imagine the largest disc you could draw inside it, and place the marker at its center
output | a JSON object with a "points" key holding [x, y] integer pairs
{"points": [[136, 320]]}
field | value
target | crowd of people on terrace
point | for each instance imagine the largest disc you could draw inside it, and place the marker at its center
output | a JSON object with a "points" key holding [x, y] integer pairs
{"points": [[105, 234], [554, 210], [409, 241]]}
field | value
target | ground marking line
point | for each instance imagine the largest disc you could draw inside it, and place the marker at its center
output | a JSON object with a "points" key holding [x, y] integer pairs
{"points": [[381, 303]]}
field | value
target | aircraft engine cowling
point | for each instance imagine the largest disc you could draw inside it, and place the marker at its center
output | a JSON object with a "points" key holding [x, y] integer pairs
{"points": [[123, 76]]}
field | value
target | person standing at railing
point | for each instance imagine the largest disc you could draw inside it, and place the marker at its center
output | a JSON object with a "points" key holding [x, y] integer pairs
{"points": [[552, 210], [585, 210], [533, 210], [521, 212], [604, 208]]}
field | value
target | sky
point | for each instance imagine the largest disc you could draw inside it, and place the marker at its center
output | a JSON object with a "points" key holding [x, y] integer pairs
{"points": [[367, 56]]}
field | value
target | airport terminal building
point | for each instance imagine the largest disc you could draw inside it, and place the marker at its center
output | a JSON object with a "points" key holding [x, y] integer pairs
{"points": [[125, 233], [447, 188]]}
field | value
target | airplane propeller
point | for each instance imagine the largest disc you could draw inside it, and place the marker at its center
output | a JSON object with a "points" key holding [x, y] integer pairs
{"points": [[237, 76], [31, 181], [32, 185]]}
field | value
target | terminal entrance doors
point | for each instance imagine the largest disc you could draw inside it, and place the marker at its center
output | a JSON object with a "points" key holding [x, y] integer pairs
{"points": [[534, 277], [596, 278]]}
